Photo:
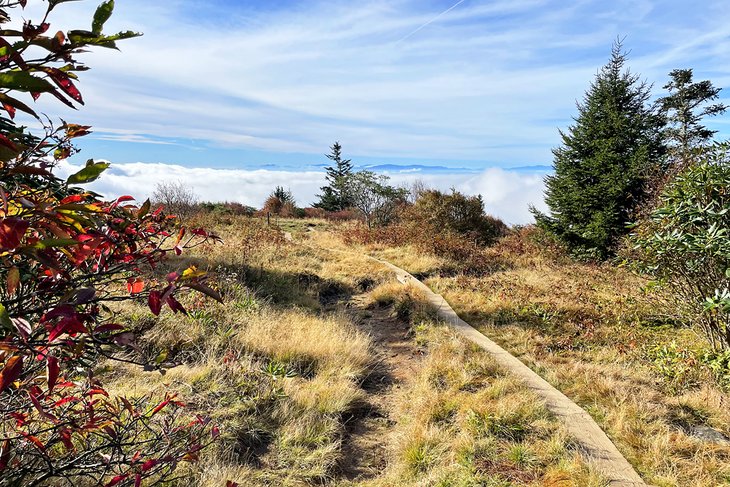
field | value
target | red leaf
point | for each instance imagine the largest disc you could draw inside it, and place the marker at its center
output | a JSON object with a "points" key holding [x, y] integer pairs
{"points": [[160, 407], [66, 439], [75, 198], [52, 372], [39, 407], [64, 82], [149, 464], [65, 400], [138, 480], [94, 392], [10, 109], [215, 432], [70, 325], [123, 199], [35, 95], [230, 483], [135, 285], [116, 480], [155, 302], [11, 232], [38, 443], [8, 143], [62, 311], [175, 305], [62, 98], [11, 371]]}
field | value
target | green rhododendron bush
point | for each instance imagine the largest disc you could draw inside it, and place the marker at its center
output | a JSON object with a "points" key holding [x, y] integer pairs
{"points": [[66, 256], [686, 245]]}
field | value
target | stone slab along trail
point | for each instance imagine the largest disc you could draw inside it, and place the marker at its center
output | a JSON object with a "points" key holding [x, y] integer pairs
{"points": [[593, 441], [596, 446]]}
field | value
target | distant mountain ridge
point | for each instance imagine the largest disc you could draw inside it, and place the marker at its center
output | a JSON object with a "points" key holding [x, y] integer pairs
{"points": [[426, 169]]}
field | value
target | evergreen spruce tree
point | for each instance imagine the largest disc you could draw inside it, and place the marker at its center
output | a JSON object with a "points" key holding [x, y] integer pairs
{"points": [[336, 195], [604, 162], [684, 108]]}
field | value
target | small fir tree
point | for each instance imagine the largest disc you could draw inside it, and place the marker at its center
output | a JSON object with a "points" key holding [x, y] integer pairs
{"points": [[280, 202], [684, 108], [336, 194], [604, 162]]}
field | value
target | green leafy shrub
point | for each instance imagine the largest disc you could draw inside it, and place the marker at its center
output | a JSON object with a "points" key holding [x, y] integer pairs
{"points": [[686, 245]]}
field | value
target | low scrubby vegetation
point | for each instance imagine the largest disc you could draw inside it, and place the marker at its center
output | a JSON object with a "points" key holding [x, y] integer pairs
{"points": [[684, 244], [448, 225]]}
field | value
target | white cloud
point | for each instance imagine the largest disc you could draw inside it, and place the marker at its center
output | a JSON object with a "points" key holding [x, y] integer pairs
{"points": [[490, 80], [250, 187], [509, 193], [506, 194]]}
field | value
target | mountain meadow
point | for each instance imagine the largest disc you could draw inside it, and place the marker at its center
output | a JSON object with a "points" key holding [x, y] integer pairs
{"points": [[385, 335]]}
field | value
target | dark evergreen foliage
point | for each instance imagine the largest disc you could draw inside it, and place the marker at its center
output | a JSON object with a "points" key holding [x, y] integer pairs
{"points": [[604, 162], [336, 195], [684, 108], [283, 195]]}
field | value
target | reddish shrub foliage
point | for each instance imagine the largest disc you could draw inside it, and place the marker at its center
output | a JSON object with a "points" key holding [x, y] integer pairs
{"points": [[453, 226], [66, 254]]}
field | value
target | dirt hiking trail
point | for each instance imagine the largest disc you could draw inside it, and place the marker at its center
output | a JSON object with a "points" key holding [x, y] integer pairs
{"points": [[397, 357], [596, 447]]}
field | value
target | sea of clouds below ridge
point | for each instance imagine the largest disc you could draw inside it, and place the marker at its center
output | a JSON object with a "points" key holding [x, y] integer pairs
{"points": [[507, 194]]}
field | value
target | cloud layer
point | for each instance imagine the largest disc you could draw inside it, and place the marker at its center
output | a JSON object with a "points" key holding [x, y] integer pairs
{"points": [[506, 194]]}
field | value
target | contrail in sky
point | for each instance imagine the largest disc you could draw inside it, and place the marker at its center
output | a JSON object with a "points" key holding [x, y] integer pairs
{"points": [[431, 21]]}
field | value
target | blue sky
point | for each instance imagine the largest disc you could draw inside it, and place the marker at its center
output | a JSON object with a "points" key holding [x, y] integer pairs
{"points": [[227, 83], [251, 84]]}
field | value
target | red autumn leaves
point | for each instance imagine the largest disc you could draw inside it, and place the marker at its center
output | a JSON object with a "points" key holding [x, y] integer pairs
{"points": [[12, 231]]}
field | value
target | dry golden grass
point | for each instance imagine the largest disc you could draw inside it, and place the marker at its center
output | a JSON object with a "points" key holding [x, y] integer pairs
{"points": [[462, 421], [592, 331], [279, 370], [275, 372], [276, 382]]}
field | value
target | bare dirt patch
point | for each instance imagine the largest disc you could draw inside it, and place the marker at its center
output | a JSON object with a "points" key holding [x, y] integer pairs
{"points": [[366, 440]]}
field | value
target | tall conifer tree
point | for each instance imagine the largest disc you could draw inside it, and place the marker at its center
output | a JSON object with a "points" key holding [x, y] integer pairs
{"points": [[604, 161], [336, 195]]}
